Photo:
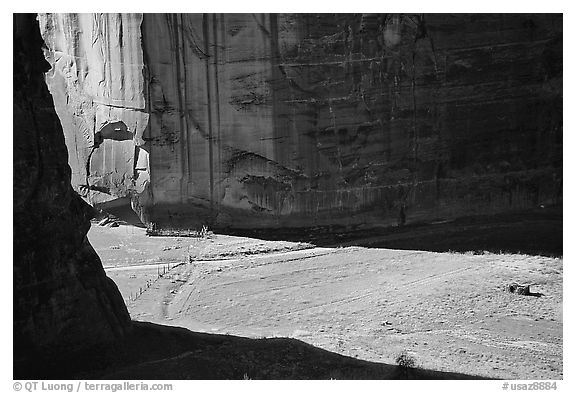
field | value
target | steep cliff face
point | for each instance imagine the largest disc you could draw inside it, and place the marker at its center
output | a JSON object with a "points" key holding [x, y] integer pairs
{"points": [[98, 88], [297, 120], [62, 297]]}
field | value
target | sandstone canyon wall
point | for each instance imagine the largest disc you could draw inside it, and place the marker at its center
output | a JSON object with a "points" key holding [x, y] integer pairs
{"points": [[62, 298], [270, 120], [98, 87]]}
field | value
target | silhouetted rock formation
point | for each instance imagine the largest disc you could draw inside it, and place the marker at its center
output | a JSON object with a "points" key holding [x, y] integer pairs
{"points": [[279, 120], [62, 298]]}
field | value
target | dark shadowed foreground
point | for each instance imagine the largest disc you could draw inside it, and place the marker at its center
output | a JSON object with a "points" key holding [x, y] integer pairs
{"points": [[161, 352]]}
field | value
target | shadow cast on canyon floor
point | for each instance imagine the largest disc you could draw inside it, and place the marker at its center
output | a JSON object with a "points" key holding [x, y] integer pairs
{"points": [[532, 232], [154, 351]]}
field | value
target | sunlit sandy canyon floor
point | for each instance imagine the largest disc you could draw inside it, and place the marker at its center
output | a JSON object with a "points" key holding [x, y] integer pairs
{"points": [[448, 311]]}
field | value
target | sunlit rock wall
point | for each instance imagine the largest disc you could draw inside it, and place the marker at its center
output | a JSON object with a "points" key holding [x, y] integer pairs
{"points": [[299, 120], [98, 88]]}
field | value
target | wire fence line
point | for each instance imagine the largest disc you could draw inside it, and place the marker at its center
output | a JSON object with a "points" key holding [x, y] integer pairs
{"points": [[160, 273]]}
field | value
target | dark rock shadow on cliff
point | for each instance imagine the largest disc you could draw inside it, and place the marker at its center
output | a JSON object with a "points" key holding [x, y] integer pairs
{"points": [[119, 208], [163, 352], [533, 232]]}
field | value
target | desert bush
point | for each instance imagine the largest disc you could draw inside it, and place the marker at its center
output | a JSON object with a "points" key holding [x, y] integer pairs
{"points": [[405, 360]]}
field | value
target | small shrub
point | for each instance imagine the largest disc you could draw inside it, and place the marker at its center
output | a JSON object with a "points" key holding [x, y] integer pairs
{"points": [[405, 360]]}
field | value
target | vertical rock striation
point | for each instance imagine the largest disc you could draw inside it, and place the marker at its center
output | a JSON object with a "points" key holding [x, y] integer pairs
{"points": [[275, 120], [97, 83], [62, 297]]}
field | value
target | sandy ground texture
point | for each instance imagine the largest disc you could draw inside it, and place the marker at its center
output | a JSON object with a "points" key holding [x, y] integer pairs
{"points": [[445, 311]]}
